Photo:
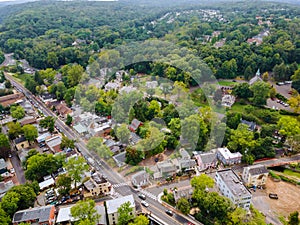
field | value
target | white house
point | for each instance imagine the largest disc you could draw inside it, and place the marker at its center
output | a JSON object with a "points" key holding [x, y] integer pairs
{"points": [[255, 175], [231, 187], [140, 179]]}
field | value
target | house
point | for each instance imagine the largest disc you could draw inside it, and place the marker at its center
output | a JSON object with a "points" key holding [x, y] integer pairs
{"points": [[127, 89], [151, 84], [185, 192], [251, 125], [3, 166], [112, 86], [5, 186], [228, 158], [113, 205], [8, 100], [140, 179], [53, 143], [21, 143], [255, 175], [256, 78], [96, 186], [63, 110], [186, 164], [40, 215], [46, 97], [27, 120], [41, 138], [81, 129], [166, 168], [64, 216], [134, 138], [120, 159], [206, 160], [228, 100], [135, 124], [231, 187]]}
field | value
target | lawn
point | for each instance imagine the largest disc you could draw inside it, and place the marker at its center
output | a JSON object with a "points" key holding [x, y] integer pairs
{"points": [[291, 173], [226, 83]]}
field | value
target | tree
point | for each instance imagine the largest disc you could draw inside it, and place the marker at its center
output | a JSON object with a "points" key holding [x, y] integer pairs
{"points": [[14, 130], [17, 112], [84, 211], [30, 132], [140, 220], [265, 76], [4, 217], [10, 202], [48, 123], [69, 120], [202, 182], [125, 212], [76, 167], [123, 133], [242, 91], [294, 218], [294, 103], [31, 84], [67, 143], [183, 205], [4, 146], [150, 91], [96, 144], [261, 92], [63, 184]]}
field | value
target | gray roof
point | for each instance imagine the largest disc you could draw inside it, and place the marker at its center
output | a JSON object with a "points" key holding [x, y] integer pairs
{"points": [[80, 128], [101, 211], [208, 157], [187, 163], [233, 183], [2, 164], [41, 214], [20, 140], [250, 124], [140, 176], [166, 167], [5, 186], [113, 205], [257, 169]]}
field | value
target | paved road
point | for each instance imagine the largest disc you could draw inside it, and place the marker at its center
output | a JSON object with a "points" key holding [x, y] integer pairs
{"points": [[275, 162], [100, 165]]}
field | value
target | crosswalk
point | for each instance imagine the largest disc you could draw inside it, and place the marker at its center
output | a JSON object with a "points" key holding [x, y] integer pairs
{"points": [[148, 194], [119, 185]]}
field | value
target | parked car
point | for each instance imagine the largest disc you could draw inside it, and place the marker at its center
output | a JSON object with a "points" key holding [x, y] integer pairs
{"points": [[273, 196], [144, 203], [142, 196], [169, 212]]}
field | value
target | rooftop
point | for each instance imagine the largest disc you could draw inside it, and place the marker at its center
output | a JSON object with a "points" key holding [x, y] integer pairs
{"points": [[41, 214], [64, 215], [208, 157], [19, 140], [227, 154], [5, 186], [2, 164], [113, 205], [257, 169], [233, 183]]}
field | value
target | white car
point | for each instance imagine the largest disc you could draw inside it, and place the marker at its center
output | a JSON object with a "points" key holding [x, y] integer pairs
{"points": [[12, 170], [144, 203]]}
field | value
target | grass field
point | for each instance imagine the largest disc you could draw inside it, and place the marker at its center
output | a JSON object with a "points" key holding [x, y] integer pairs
{"points": [[226, 83], [291, 173], [21, 77]]}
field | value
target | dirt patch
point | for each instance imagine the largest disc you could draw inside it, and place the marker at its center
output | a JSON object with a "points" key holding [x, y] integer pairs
{"points": [[161, 157], [288, 195]]}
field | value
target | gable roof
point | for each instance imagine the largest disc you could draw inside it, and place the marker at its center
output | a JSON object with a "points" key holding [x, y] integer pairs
{"points": [[135, 124], [41, 214], [250, 124], [113, 205], [209, 157], [20, 140], [257, 169]]}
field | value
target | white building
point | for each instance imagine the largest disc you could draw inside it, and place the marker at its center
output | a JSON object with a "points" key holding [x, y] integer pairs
{"points": [[255, 175], [113, 205], [140, 179], [228, 158], [231, 187]]}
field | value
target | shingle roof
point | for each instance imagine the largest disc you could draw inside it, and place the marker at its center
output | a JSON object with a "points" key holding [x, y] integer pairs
{"points": [[257, 169], [2, 164], [113, 205], [208, 157], [41, 214], [20, 140]]}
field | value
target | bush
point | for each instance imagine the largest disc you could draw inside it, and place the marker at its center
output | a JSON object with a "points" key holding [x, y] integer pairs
{"points": [[275, 176]]}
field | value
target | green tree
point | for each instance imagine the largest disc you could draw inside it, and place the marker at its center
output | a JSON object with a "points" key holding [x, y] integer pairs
{"points": [[14, 130], [69, 120], [140, 220], [17, 112], [202, 182], [10, 202], [76, 167], [31, 84], [67, 143], [4, 146], [84, 211], [125, 212], [63, 184], [242, 91], [4, 217], [294, 103], [30, 132], [96, 144], [48, 123], [123, 133], [183, 205], [294, 218], [261, 91]]}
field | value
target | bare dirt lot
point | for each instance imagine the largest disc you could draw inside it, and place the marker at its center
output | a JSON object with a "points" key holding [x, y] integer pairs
{"points": [[288, 195]]}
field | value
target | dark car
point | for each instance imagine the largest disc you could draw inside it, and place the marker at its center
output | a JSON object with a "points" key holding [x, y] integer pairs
{"points": [[273, 196], [142, 196], [169, 212]]}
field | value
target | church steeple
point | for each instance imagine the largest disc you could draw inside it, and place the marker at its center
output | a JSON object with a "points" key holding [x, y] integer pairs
{"points": [[258, 73]]}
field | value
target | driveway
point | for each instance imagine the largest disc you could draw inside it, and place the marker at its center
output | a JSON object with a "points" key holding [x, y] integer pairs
{"points": [[18, 168]]}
